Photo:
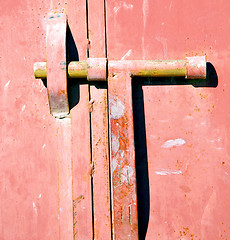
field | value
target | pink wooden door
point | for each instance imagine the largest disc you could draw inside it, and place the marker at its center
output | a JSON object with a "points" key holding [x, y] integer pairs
{"points": [[181, 126], [167, 174], [51, 186]]}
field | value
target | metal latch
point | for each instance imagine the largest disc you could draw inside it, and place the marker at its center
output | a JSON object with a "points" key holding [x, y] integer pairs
{"points": [[56, 69]]}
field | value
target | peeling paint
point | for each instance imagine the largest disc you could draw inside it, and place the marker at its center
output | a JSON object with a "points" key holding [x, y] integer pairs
{"points": [[115, 144], [174, 143], [117, 109], [122, 154], [166, 172], [126, 174], [114, 164]]}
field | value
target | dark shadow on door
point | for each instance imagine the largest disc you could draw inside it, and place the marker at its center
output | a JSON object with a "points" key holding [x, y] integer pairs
{"points": [[141, 158]]}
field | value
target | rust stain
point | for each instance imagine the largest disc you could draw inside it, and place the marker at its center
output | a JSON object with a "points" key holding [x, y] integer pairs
{"points": [[78, 199]]}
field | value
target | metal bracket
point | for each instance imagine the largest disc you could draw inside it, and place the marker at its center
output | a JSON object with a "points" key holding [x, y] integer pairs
{"points": [[56, 65]]}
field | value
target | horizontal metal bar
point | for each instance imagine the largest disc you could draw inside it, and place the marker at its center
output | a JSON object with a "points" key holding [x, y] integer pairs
{"points": [[77, 69], [143, 68], [96, 69]]}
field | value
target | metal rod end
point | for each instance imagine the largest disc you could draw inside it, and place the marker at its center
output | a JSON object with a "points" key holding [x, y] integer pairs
{"points": [[40, 70], [196, 67]]}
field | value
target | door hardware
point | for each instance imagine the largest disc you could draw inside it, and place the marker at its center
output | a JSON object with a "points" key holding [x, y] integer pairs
{"points": [[94, 69], [56, 69]]}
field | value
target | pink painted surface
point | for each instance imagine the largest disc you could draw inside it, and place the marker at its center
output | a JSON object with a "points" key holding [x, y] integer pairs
{"points": [[99, 121], [65, 180], [59, 108], [81, 153], [37, 151], [82, 168], [122, 161], [186, 127], [28, 175]]}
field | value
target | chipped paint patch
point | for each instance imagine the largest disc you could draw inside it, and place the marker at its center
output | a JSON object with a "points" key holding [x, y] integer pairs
{"points": [[44, 145], [174, 143], [122, 154], [35, 208], [7, 85], [40, 195], [114, 164], [23, 108], [126, 174], [166, 172], [122, 5], [117, 109], [115, 144], [127, 54]]}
